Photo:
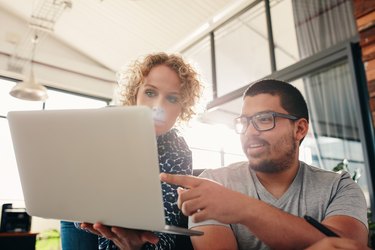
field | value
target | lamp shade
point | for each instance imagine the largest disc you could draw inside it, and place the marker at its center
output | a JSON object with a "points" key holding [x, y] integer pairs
{"points": [[29, 90]]}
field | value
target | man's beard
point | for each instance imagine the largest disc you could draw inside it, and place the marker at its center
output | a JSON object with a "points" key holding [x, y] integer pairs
{"points": [[279, 164]]}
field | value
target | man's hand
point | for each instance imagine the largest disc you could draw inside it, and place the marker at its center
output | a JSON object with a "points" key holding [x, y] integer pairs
{"points": [[125, 239], [203, 199]]}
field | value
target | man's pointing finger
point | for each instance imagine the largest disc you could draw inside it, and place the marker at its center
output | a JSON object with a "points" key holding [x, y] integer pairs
{"points": [[185, 181]]}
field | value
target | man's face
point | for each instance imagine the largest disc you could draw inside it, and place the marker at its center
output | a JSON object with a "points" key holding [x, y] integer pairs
{"points": [[273, 150]]}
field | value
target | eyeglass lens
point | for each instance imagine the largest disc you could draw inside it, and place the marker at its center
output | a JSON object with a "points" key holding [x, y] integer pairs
{"points": [[261, 122]]}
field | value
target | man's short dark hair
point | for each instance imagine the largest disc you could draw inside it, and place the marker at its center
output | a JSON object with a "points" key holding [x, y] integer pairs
{"points": [[291, 98]]}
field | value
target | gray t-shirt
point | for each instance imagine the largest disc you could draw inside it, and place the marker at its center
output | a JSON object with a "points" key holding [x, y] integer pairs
{"points": [[315, 192]]}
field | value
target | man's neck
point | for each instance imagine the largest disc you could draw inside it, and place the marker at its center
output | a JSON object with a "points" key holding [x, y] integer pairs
{"points": [[278, 183]]}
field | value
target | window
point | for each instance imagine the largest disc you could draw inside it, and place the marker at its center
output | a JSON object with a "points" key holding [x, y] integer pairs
{"points": [[334, 122], [10, 186], [9, 103], [242, 52], [284, 34], [220, 147], [64, 100], [200, 57], [313, 50]]}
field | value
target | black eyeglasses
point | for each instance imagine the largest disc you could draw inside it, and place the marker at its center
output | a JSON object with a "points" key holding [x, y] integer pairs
{"points": [[261, 121]]}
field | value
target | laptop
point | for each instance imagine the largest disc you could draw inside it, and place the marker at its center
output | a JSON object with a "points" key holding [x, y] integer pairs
{"points": [[91, 165]]}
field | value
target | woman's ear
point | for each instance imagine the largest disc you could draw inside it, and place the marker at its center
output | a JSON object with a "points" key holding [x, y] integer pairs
{"points": [[301, 128]]}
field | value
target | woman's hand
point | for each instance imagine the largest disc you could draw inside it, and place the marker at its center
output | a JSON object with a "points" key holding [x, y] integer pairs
{"points": [[125, 239]]}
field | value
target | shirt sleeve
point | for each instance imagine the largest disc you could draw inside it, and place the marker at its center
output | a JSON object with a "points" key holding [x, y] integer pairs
{"points": [[348, 200]]}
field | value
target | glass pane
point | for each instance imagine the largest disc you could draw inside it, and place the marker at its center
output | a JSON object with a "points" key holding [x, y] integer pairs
{"points": [[334, 122], [62, 100], [208, 153], [231, 142], [242, 53], [193, 136], [232, 158], [10, 185], [203, 158], [284, 33], [322, 24], [200, 57], [302, 28], [10, 103]]}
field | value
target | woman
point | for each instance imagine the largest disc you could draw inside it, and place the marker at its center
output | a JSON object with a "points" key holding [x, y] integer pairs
{"points": [[170, 87]]}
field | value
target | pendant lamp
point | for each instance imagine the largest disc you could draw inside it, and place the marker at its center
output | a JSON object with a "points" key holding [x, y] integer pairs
{"points": [[29, 89]]}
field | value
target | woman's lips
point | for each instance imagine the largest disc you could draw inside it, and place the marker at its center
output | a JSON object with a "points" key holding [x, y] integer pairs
{"points": [[158, 122]]}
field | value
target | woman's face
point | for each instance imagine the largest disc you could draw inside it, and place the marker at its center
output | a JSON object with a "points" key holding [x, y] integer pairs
{"points": [[161, 92]]}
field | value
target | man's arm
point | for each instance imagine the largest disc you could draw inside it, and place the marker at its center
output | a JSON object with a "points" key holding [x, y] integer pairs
{"points": [[205, 199], [216, 236], [348, 227], [279, 229], [338, 243]]}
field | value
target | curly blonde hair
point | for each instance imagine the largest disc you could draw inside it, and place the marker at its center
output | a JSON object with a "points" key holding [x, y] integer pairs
{"points": [[133, 77]]}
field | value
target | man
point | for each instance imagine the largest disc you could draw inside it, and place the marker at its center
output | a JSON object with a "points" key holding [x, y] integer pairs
{"points": [[259, 204]]}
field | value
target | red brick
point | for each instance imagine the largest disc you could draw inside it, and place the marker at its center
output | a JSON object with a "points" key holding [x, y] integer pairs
{"points": [[368, 52], [367, 36], [370, 70], [363, 7]]}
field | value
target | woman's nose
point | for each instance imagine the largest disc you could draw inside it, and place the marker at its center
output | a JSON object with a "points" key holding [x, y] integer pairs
{"points": [[158, 113]]}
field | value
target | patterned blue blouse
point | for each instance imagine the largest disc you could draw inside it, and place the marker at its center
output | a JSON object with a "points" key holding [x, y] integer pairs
{"points": [[174, 157]]}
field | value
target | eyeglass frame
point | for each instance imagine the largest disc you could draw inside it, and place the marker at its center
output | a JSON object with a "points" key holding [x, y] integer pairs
{"points": [[249, 120]]}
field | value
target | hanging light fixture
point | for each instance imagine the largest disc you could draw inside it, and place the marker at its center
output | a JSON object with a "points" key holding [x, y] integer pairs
{"points": [[29, 89]]}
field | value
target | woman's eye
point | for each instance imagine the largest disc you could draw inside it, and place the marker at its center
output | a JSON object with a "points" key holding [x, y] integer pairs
{"points": [[150, 93], [172, 99]]}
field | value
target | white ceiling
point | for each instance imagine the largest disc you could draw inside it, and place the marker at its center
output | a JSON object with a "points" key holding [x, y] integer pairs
{"points": [[114, 32], [111, 33]]}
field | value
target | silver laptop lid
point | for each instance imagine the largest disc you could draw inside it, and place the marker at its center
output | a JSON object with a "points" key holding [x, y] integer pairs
{"points": [[90, 165]]}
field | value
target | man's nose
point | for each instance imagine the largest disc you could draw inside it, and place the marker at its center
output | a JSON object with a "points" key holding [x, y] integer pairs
{"points": [[251, 130]]}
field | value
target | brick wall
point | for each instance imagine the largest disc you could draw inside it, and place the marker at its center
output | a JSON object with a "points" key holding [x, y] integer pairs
{"points": [[364, 12]]}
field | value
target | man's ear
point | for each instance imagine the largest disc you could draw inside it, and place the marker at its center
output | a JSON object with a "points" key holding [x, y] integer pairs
{"points": [[301, 128]]}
